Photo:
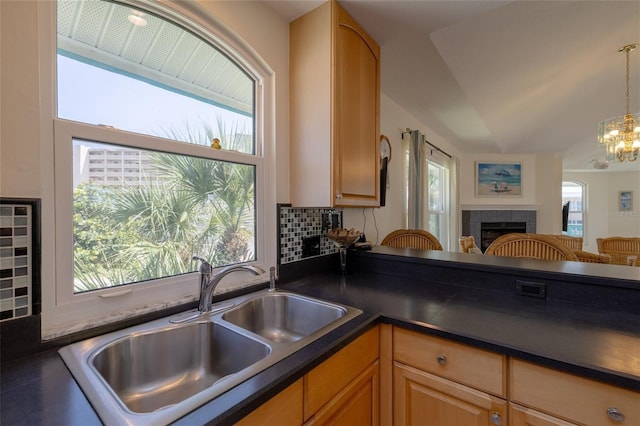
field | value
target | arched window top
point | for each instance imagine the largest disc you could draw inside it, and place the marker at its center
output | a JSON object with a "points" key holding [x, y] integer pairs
{"points": [[134, 70]]}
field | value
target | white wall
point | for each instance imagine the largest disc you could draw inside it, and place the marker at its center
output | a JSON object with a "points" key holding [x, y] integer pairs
{"points": [[541, 188], [542, 182], [603, 217], [393, 121], [19, 118]]}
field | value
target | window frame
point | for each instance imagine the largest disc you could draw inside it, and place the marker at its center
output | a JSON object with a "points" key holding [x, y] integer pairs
{"points": [[63, 310], [444, 228], [583, 210]]}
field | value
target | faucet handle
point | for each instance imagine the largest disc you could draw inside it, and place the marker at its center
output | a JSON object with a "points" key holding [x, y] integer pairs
{"points": [[205, 267]]}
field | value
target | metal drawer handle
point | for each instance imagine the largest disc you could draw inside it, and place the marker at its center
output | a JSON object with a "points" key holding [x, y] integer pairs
{"points": [[615, 414], [442, 360], [496, 419]]}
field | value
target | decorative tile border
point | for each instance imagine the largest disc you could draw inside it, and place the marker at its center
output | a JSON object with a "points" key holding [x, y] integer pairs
{"points": [[17, 250], [297, 224]]}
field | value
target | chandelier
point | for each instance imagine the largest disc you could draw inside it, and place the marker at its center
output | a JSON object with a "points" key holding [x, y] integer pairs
{"points": [[620, 135]]}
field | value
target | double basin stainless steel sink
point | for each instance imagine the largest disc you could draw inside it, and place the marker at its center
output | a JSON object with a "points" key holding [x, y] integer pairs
{"points": [[157, 372]]}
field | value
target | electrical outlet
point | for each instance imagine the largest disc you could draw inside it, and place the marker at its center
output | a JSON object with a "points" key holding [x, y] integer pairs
{"points": [[335, 220], [532, 289], [326, 223]]}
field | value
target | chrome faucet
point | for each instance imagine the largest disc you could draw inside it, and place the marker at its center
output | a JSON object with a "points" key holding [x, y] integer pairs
{"points": [[209, 282]]}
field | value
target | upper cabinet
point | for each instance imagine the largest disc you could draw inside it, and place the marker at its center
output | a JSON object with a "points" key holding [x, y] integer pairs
{"points": [[334, 111]]}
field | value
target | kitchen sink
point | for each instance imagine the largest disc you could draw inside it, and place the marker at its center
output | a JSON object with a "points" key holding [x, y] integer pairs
{"points": [[157, 372], [284, 317], [152, 370]]}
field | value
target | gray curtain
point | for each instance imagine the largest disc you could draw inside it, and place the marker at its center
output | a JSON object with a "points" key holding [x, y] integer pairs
{"points": [[416, 190], [416, 179]]}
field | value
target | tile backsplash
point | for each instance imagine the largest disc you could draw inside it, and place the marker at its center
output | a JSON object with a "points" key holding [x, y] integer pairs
{"points": [[303, 232], [16, 259]]}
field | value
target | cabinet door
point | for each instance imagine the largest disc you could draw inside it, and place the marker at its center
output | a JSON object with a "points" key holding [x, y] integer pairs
{"points": [[283, 409], [425, 399], [356, 115], [327, 380], [355, 405]]}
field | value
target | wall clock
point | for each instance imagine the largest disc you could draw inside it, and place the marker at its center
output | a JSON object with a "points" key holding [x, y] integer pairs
{"points": [[385, 148]]}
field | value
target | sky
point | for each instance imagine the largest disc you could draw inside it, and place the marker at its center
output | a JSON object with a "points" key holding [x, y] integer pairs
{"points": [[96, 96]]}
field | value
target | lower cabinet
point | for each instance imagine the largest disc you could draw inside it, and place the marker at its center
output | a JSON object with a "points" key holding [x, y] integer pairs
{"points": [[283, 409], [357, 404], [542, 396], [426, 380], [426, 399], [439, 382], [343, 390], [524, 416]]}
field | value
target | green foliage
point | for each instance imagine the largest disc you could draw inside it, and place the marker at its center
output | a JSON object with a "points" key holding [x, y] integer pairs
{"points": [[95, 235], [135, 233]]}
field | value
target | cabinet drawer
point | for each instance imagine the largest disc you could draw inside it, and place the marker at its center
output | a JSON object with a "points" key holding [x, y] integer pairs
{"points": [[464, 364], [327, 379], [523, 416], [570, 397]]}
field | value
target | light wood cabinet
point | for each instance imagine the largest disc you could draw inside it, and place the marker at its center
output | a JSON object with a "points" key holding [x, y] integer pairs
{"points": [[524, 416], [410, 378], [571, 398], [436, 382], [334, 111], [283, 409], [464, 364], [343, 390], [422, 398], [356, 404]]}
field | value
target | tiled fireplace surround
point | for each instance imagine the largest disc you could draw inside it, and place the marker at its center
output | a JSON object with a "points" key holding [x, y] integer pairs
{"points": [[472, 220]]}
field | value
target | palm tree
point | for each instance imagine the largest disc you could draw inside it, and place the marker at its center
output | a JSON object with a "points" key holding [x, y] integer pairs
{"points": [[199, 206], [228, 188]]}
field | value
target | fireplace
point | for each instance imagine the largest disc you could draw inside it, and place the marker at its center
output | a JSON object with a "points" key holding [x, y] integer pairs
{"points": [[489, 231], [502, 222]]}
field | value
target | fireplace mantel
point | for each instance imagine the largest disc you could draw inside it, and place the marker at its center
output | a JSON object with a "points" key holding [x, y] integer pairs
{"points": [[492, 207]]}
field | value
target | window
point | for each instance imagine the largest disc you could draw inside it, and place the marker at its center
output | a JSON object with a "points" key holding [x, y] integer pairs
{"points": [[437, 200], [574, 193], [159, 146], [429, 201], [137, 224]]}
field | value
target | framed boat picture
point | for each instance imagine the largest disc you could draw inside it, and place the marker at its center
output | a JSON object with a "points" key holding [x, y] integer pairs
{"points": [[498, 179]]}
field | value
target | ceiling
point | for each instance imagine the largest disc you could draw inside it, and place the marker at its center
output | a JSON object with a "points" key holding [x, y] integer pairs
{"points": [[504, 76], [100, 34]]}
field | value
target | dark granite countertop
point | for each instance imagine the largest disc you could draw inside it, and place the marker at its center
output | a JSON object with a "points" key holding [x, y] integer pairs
{"points": [[600, 344], [589, 341]]}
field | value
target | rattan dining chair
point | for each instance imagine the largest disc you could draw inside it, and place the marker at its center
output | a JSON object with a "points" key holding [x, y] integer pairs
{"points": [[535, 246], [468, 245], [571, 242], [620, 248], [412, 238], [588, 257]]}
